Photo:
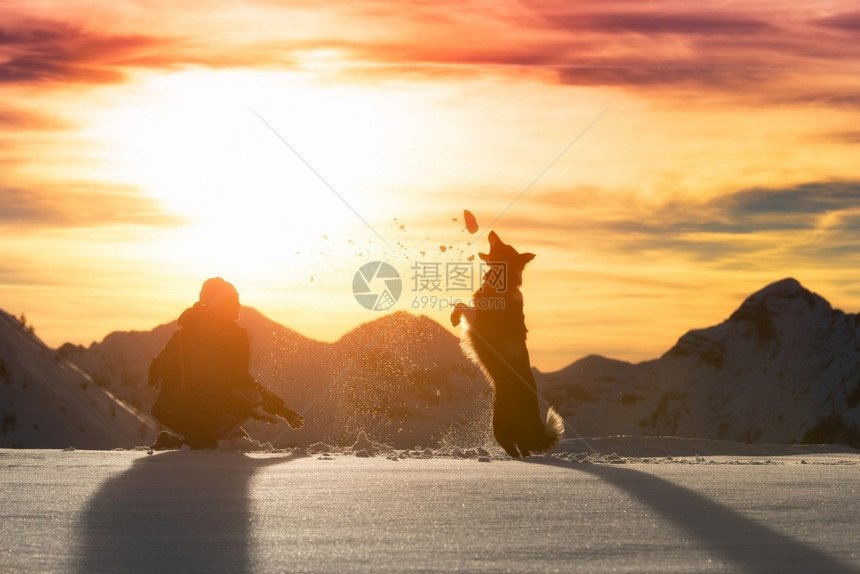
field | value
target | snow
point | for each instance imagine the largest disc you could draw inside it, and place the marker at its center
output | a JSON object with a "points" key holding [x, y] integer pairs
{"points": [[706, 508], [471, 222]]}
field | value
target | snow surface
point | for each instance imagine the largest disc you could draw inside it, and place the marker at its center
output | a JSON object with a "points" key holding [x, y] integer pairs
{"points": [[618, 504]]}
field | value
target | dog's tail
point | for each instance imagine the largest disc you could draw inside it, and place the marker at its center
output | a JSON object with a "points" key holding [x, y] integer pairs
{"points": [[549, 435], [554, 425]]}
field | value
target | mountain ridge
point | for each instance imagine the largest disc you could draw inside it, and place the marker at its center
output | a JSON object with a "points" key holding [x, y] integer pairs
{"points": [[783, 367], [400, 377]]}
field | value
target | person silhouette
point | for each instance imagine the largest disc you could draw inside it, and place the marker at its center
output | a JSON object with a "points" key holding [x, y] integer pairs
{"points": [[205, 389]]}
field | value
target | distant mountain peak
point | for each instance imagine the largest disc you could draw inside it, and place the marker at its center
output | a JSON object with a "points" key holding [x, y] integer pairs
{"points": [[781, 297], [788, 287], [779, 310], [399, 324]]}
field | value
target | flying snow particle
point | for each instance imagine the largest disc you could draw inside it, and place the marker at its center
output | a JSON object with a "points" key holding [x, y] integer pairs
{"points": [[471, 222]]}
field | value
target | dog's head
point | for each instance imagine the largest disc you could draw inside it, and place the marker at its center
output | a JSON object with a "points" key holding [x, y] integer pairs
{"points": [[503, 255]]}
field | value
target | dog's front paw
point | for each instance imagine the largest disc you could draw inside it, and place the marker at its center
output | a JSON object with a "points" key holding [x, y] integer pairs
{"points": [[457, 313]]}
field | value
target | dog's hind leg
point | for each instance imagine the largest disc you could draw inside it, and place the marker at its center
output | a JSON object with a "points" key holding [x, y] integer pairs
{"points": [[511, 449], [505, 439]]}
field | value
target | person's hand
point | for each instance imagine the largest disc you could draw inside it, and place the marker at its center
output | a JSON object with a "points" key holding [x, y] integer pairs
{"points": [[277, 407], [293, 418]]}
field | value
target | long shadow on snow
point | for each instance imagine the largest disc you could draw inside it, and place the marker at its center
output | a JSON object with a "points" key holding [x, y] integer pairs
{"points": [[173, 512], [750, 546]]}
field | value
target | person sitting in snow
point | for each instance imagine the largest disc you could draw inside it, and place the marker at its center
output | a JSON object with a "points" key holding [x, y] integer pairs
{"points": [[206, 391]]}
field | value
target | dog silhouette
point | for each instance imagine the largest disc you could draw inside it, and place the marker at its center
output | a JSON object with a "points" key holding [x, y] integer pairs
{"points": [[494, 338]]}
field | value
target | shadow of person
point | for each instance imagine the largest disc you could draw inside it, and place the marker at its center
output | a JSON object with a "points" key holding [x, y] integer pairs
{"points": [[172, 512], [749, 545]]}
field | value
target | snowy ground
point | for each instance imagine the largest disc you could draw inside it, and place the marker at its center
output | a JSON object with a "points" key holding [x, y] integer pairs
{"points": [[725, 509]]}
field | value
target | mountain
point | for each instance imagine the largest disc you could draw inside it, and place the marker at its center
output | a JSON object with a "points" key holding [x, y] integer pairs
{"points": [[783, 368], [400, 378], [46, 402]]}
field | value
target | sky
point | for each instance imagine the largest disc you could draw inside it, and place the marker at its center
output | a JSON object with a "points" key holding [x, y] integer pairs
{"points": [[663, 160]]}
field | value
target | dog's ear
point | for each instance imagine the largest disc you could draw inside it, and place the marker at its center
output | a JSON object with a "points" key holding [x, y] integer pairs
{"points": [[484, 256], [493, 239], [526, 257]]}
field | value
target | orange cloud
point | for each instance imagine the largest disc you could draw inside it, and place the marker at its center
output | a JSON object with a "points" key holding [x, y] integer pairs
{"points": [[28, 120], [85, 205]]}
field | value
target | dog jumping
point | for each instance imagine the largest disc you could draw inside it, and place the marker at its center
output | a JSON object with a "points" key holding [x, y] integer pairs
{"points": [[494, 338]]}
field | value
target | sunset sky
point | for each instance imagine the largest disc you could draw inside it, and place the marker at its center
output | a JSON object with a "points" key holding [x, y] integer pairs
{"points": [[662, 159]]}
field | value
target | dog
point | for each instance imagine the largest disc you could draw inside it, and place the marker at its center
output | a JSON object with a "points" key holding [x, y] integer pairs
{"points": [[494, 338]]}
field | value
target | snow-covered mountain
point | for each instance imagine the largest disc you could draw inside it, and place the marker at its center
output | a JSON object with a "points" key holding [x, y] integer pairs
{"points": [[784, 367], [46, 402]]}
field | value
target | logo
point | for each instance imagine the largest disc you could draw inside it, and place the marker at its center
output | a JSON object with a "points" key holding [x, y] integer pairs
{"points": [[377, 286]]}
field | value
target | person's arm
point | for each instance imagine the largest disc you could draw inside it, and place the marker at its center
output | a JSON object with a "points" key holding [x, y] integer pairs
{"points": [[275, 405], [272, 403]]}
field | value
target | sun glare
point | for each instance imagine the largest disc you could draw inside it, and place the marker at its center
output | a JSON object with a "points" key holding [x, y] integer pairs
{"points": [[258, 165]]}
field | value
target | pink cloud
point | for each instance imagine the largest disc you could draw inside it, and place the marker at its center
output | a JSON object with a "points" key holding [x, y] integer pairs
{"points": [[845, 21], [48, 51]]}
